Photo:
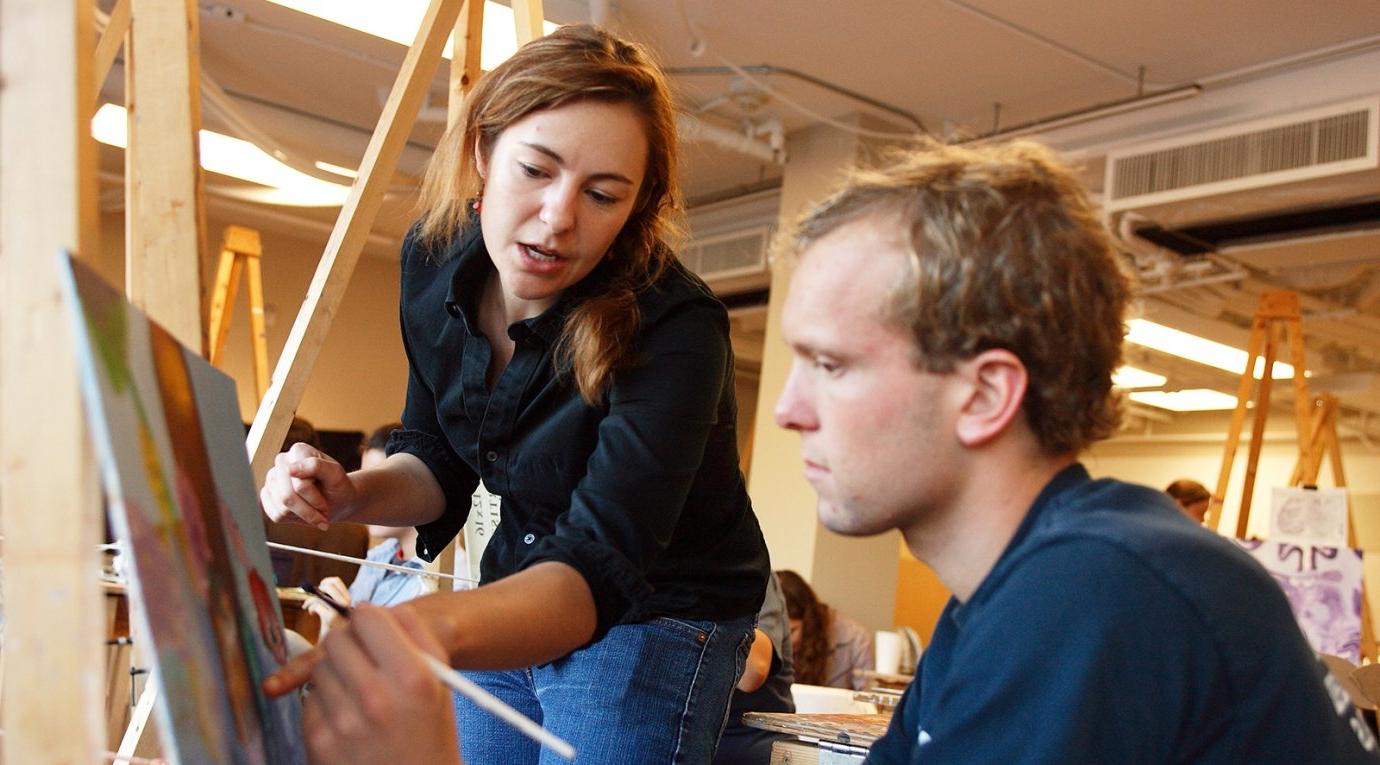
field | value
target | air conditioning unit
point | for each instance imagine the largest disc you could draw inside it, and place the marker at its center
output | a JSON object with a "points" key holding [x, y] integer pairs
{"points": [[730, 241], [1295, 161]]}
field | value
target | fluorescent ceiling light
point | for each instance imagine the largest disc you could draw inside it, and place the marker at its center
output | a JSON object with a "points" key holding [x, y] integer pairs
{"points": [[232, 157], [337, 169], [399, 20], [1131, 377], [1200, 349], [1192, 400]]}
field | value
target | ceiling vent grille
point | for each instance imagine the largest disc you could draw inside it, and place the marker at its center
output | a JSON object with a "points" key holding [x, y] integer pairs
{"points": [[730, 255], [730, 239], [1302, 146]]}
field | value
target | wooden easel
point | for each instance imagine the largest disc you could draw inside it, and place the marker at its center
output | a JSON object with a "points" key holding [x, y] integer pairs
{"points": [[1278, 318], [240, 254]]}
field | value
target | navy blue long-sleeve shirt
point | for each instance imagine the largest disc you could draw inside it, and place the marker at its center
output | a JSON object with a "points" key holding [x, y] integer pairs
{"points": [[641, 494], [1113, 629]]}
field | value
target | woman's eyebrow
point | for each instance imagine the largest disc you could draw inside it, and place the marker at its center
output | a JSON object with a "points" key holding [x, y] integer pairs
{"points": [[559, 160]]}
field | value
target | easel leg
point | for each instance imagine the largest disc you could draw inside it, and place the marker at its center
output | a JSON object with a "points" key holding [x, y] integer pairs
{"points": [[137, 721], [256, 321]]}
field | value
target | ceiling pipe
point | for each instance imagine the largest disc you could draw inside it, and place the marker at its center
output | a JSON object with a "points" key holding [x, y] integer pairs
{"points": [[1092, 113], [799, 75], [694, 129]]}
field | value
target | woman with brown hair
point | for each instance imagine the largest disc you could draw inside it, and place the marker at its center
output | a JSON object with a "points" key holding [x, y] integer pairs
{"points": [[826, 645], [561, 354]]}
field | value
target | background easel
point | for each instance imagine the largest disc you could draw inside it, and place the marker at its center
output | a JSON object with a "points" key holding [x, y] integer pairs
{"points": [[240, 254], [1278, 319]]}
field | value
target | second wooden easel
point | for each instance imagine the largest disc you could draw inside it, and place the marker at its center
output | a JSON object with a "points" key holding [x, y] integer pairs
{"points": [[1315, 419], [240, 254]]}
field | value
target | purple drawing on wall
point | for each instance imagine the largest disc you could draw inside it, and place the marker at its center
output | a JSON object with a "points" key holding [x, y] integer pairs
{"points": [[1323, 585]]}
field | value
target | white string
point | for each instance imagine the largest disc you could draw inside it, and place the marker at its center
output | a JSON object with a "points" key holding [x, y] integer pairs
{"points": [[375, 564]]}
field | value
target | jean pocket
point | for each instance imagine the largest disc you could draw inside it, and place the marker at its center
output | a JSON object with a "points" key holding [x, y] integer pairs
{"points": [[687, 629]]}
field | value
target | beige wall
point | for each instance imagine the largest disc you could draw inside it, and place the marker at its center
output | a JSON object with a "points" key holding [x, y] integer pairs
{"points": [[360, 378]]}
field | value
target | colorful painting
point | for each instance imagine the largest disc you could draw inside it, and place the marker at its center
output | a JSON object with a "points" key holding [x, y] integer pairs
{"points": [[1323, 585], [170, 444]]}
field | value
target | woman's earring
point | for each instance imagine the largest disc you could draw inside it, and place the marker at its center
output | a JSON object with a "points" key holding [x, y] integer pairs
{"points": [[476, 205]]}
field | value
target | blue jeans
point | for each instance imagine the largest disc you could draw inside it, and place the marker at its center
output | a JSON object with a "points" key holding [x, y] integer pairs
{"points": [[654, 693]]}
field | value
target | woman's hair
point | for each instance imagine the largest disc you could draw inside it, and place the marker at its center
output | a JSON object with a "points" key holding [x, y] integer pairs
{"points": [[811, 655], [573, 63]]}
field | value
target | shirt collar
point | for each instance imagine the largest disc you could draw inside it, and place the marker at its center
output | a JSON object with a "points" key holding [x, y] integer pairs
{"points": [[474, 266]]}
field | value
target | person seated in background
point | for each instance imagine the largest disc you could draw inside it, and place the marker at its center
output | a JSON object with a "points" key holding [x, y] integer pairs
{"points": [[291, 569], [1191, 497], [377, 586], [764, 687], [828, 648]]}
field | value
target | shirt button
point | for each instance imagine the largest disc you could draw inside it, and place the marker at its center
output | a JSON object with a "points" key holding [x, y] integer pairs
{"points": [[491, 456], [529, 539]]}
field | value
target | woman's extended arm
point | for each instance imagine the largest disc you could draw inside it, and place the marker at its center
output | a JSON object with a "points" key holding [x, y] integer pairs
{"points": [[534, 616], [305, 485]]}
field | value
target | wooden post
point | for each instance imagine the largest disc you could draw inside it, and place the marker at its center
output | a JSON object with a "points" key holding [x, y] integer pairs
{"points": [[528, 16], [111, 40], [164, 224], [54, 612], [464, 57], [347, 239]]}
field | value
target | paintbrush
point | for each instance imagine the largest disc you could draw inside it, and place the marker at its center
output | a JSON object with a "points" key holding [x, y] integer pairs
{"points": [[469, 690]]}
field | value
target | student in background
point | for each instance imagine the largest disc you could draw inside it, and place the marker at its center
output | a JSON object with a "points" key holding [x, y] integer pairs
{"points": [[764, 687], [828, 648], [1191, 497], [956, 315], [377, 586]]}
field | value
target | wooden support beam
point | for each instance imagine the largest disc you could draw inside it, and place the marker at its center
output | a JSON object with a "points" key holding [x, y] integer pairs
{"points": [[347, 239], [111, 39], [54, 609], [165, 224], [464, 57], [528, 16]]}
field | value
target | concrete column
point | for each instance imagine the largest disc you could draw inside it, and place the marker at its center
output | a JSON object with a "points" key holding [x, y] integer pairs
{"points": [[857, 575]]}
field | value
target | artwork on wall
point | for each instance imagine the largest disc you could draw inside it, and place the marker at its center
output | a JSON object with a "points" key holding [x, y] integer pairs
{"points": [[1323, 585], [170, 445]]}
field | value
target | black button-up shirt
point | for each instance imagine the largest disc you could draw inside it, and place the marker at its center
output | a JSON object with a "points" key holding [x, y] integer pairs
{"points": [[641, 494]]}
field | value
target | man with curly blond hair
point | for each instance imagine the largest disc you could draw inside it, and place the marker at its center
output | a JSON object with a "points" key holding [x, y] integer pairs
{"points": [[955, 318]]}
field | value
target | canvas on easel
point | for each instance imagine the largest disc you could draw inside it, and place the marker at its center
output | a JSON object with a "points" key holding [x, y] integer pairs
{"points": [[169, 441]]}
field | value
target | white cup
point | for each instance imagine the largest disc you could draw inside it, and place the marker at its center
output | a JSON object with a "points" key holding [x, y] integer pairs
{"points": [[888, 647]]}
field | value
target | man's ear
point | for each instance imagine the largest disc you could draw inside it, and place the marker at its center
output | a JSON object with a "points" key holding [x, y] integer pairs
{"points": [[996, 381]]}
